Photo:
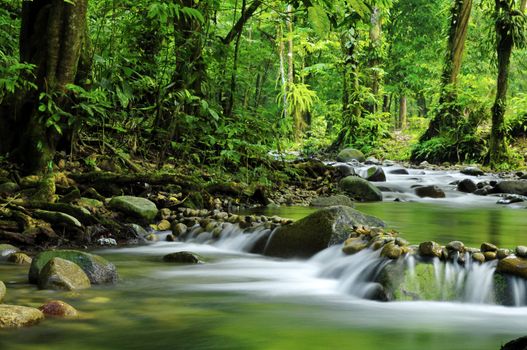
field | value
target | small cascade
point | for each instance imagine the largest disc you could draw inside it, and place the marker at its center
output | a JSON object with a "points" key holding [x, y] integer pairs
{"points": [[518, 291]]}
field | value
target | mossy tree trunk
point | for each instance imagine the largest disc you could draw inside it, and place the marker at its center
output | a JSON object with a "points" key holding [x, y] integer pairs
{"points": [[448, 114], [51, 38]]}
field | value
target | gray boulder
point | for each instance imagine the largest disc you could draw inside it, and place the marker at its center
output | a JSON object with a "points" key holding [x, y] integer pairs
{"points": [[360, 189], [317, 231], [512, 187], [330, 201], [349, 154], [138, 207]]}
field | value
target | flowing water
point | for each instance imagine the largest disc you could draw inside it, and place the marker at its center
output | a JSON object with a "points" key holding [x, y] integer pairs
{"points": [[238, 300]]}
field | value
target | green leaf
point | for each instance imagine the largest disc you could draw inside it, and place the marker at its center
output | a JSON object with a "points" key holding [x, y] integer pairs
{"points": [[319, 20]]}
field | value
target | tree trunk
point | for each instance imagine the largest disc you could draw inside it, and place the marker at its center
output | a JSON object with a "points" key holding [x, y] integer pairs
{"points": [[447, 114], [51, 37], [403, 111], [375, 43], [504, 40]]}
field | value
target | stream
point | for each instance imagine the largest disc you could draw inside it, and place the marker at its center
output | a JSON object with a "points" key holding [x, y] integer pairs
{"points": [[237, 300]]}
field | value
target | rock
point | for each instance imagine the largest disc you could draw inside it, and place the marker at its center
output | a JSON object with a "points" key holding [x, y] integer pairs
{"points": [[56, 217], [63, 275], [98, 269], [317, 231], [345, 169], [360, 189], [467, 186], [372, 161], [179, 229], [349, 154], [430, 191], [456, 246], [138, 207], [488, 247], [503, 253], [430, 249], [354, 245], [163, 225], [521, 251], [165, 213], [472, 171], [483, 191], [375, 174], [400, 171], [89, 203], [170, 238], [58, 308], [391, 251], [511, 198], [490, 256], [513, 265], [512, 187], [3, 291], [6, 250], [182, 258], [138, 232], [516, 344], [9, 187], [479, 257], [12, 316], [152, 237], [19, 259], [338, 199]]}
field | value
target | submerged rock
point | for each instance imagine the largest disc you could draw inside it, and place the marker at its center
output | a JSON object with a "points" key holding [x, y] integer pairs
{"points": [[63, 275], [349, 154], [138, 207], [12, 316], [182, 258], [58, 308], [317, 231], [338, 199], [98, 269], [360, 189]]}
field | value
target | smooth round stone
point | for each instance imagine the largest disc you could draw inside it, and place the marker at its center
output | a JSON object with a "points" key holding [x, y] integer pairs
{"points": [[182, 258], [58, 308], [521, 251], [479, 257], [503, 253], [457, 246], [490, 255], [13, 316], [488, 247]]}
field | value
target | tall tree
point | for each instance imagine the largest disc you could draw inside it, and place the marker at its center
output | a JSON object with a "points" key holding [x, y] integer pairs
{"points": [[51, 38]]}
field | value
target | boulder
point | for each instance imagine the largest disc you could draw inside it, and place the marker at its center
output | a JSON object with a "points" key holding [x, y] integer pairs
{"points": [[138, 207], [516, 344], [63, 275], [375, 174], [330, 201], [512, 187], [12, 316], [430, 191], [467, 186], [400, 171], [521, 251], [19, 259], [3, 291], [349, 154], [6, 250], [513, 265], [317, 231], [360, 189], [58, 308], [98, 269], [182, 258], [472, 171]]}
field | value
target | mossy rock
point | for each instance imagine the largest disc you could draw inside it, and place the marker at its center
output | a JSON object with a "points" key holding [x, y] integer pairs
{"points": [[19, 259], [13, 316], [317, 231], [182, 258], [98, 269], [349, 154], [57, 218], [3, 291], [6, 250], [63, 275], [375, 174], [138, 207], [514, 266], [360, 189]]}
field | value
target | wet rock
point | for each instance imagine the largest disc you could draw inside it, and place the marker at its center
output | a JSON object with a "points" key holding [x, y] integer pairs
{"points": [[338, 199], [502, 253], [163, 225], [429, 191], [12, 316], [472, 171], [165, 213], [317, 231], [513, 265], [521, 251], [456, 246], [403, 285], [152, 237], [62, 275], [490, 256], [372, 161], [179, 229], [354, 245], [488, 247], [349, 154], [56, 217], [479, 257], [58, 308], [512, 187], [511, 198], [345, 169], [391, 251], [19, 259], [98, 269], [484, 190], [375, 174], [430, 249], [467, 186], [6, 250], [360, 189], [3, 291], [171, 238], [400, 171], [138, 207], [182, 258], [516, 344]]}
